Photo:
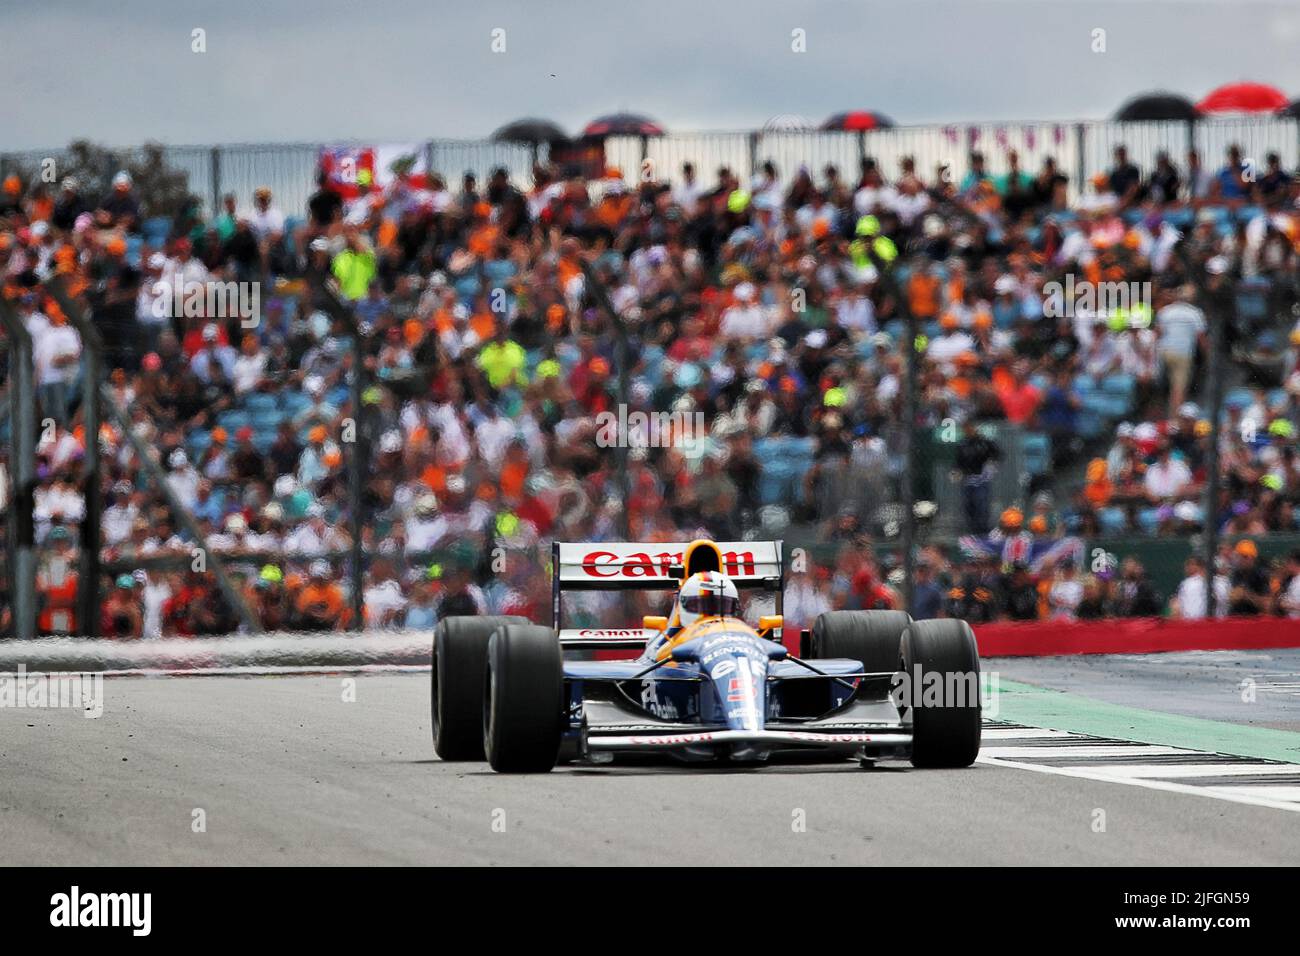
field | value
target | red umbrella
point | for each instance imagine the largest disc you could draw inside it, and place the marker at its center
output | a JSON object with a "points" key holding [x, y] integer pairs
{"points": [[1244, 98], [622, 124], [858, 120]]}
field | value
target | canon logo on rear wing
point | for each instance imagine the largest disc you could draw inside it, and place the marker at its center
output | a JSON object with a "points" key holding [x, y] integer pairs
{"points": [[650, 565], [608, 564]]}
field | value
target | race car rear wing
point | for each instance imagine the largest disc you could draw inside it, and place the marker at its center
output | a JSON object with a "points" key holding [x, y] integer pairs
{"points": [[621, 566]]}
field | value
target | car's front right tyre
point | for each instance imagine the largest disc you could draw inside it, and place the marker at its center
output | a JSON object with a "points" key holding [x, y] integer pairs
{"points": [[942, 664], [523, 700]]}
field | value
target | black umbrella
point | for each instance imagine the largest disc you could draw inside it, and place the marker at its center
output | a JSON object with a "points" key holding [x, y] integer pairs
{"points": [[1157, 106], [1292, 110], [530, 131], [622, 124]]}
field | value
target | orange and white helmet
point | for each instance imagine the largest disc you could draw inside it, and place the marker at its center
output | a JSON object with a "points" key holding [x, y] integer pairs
{"points": [[707, 594]]}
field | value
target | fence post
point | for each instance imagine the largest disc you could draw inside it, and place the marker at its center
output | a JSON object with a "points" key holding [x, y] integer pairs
{"points": [[92, 345], [601, 295], [1216, 318], [753, 154], [336, 307], [22, 463], [907, 489], [1080, 158], [216, 182], [428, 158]]}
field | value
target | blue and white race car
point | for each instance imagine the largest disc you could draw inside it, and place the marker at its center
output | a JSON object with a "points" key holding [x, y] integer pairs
{"points": [[706, 686]]}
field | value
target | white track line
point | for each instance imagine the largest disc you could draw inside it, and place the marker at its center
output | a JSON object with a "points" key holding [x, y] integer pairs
{"points": [[1173, 771], [1213, 793], [1083, 750], [1272, 793], [1032, 733]]}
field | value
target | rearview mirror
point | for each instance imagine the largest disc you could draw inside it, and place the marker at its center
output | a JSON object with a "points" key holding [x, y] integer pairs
{"points": [[653, 623], [771, 622]]}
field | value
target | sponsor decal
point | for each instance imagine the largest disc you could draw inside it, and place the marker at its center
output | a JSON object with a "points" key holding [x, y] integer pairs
{"points": [[643, 564]]}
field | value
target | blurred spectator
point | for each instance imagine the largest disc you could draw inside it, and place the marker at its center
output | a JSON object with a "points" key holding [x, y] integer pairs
{"points": [[122, 616], [1189, 602], [1134, 594], [976, 461], [1250, 592]]}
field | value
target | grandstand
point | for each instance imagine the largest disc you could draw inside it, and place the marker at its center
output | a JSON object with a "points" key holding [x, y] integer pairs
{"points": [[409, 418]]}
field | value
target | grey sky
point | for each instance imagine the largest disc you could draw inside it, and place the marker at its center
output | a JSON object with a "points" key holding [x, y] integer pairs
{"points": [[405, 70]]}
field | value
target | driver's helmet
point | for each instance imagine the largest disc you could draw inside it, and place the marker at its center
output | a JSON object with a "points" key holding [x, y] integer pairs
{"points": [[707, 594]]}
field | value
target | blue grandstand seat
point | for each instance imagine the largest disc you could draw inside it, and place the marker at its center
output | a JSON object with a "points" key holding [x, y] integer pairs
{"points": [[198, 443], [1036, 448], [1238, 398], [782, 462], [267, 420], [261, 401], [293, 402], [1119, 383], [156, 230], [1148, 520], [1090, 422], [1112, 520], [233, 419]]}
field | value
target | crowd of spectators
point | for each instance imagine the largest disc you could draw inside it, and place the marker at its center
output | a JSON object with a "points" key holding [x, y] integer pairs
{"points": [[771, 310]]}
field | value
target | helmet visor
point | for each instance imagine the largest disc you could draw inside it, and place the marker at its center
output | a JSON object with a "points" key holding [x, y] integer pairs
{"points": [[712, 603]]}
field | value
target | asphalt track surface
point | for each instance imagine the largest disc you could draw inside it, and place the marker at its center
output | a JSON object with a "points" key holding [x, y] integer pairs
{"points": [[286, 771]]}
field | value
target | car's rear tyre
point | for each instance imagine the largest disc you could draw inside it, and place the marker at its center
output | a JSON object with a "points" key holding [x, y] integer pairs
{"points": [[946, 732], [523, 702], [460, 648], [873, 637]]}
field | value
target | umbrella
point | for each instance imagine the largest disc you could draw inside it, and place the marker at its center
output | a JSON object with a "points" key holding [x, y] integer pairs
{"points": [[1244, 98], [530, 131], [1157, 106], [1292, 111], [787, 123], [858, 120], [622, 124]]}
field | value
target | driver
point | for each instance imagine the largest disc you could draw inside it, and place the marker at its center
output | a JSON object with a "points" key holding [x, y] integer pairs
{"points": [[706, 594]]}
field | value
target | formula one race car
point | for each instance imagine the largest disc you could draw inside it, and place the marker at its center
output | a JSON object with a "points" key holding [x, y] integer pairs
{"points": [[705, 686]]}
